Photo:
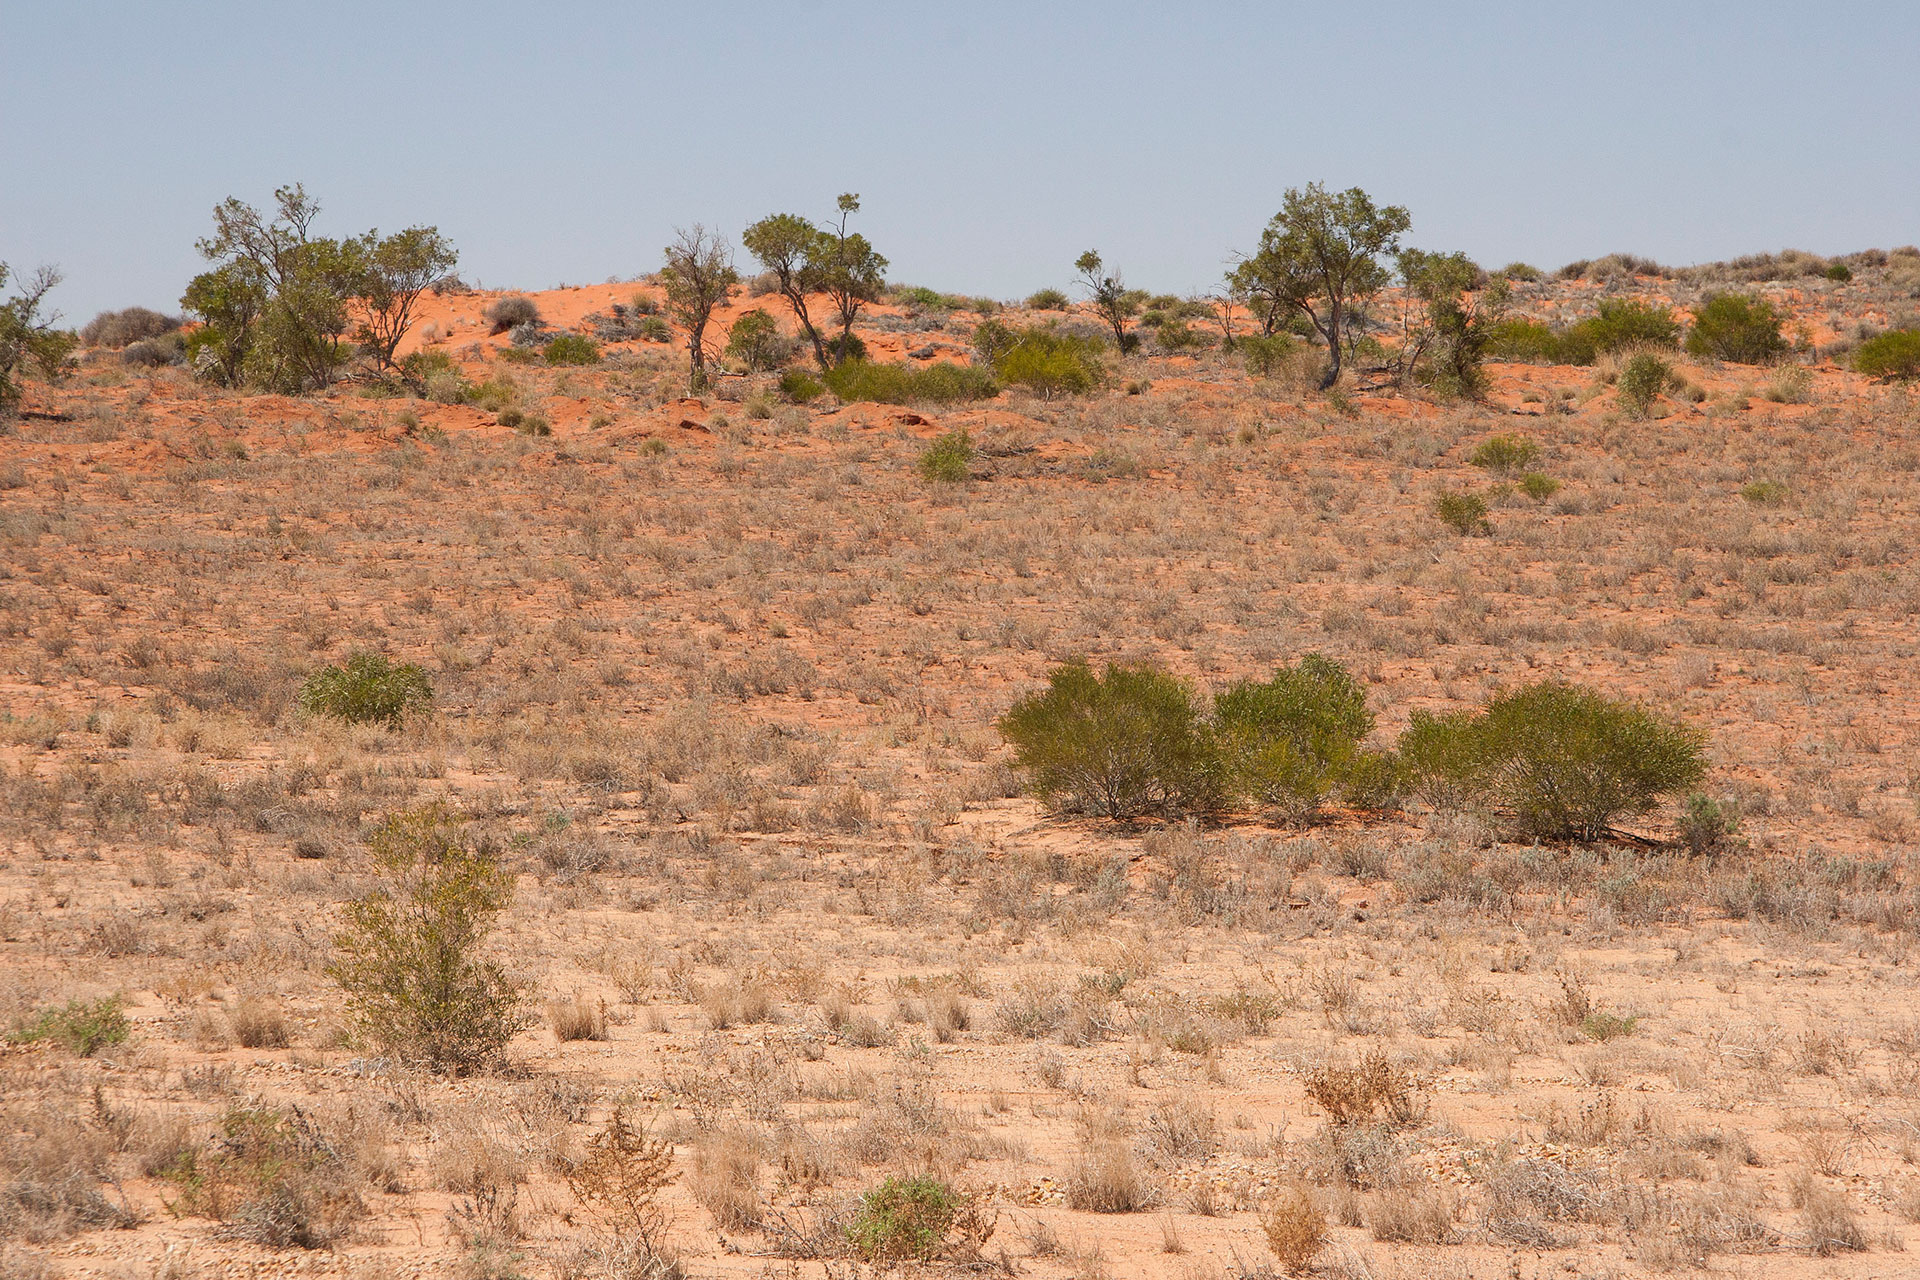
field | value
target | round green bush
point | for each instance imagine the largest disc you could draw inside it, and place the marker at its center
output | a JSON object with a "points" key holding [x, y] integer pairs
{"points": [[1895, 354], [903, 1220], [1047, 300], [367, 689], [1561, 761], [1504, 454], [1119, 744], [1293, 739], [945, 461], [1736, 328], [572, 348], [1640, 383], [800, 386]]}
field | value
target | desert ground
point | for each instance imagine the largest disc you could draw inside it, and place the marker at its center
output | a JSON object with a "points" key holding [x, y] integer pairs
{"points": [[718, 676]]}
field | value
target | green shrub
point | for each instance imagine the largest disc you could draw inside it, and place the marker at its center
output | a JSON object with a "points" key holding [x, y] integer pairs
{"points": [[1504, 455], [754, 340], [1764, 493], [1290, 741], [494, 394], [1264, 354], [367, 689], [1177, 335], [1640, 383], [1607, 1026], [1528, 340], [434, 376], [940, 383], [572, 348], [1563, 762], [1538, 487], [1895, 354], [1049, 363], [800, 387], [1839, 272], [1708, 825], [1440, 758], [410, 959], [654, 329], [1520, 271], [1047, 300], [1736, 328], [1622, 323], [904, 1220], [1120, 744], [80, 1027], [1464, 513], [945, 460]]}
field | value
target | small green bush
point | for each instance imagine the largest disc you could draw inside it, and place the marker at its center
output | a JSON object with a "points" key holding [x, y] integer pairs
{"points": [[1047, 300], [654, 329], [1621, 323], [1538, 487], [800, 387], [1120, 744], [1440, 758], [1895, 354], [1529, 341], [1764, 493], [754, 340], [1640, 383], [904, 1220], [1736, 328], [410, 959], [1464, 513], [1264, 355], [941, 383], [80, 1027], [367, 689], [945, 460], [1504, 455], [1839, 272], [1522, 272], [1562, 761], [1708, 825], [1178, 335], [1293, 739], [1050, 364], [1607, 1026], [572, 348]]}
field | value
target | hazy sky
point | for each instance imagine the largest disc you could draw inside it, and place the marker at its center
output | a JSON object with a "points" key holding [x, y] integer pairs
{"points": [[991, 143]]}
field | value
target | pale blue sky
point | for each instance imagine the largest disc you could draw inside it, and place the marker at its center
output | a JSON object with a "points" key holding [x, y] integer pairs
{"points": [[991, 143]]}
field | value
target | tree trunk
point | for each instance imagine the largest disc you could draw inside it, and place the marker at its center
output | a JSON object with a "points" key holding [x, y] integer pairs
{"points": [[697, 358], [1333, 344]]}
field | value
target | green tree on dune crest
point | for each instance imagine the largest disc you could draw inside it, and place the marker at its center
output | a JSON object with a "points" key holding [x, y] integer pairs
{"points": [[1319, 256]]}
